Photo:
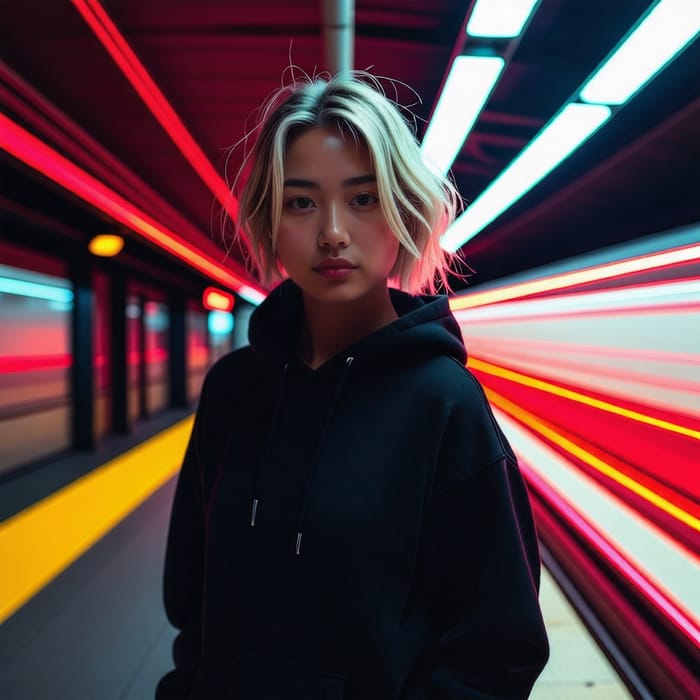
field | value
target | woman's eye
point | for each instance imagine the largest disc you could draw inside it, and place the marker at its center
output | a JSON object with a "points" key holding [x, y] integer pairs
{"points": [[300, 203], [365, 199]]}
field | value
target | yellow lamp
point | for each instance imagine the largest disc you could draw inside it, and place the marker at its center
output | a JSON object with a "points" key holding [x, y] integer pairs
{"points": [[106, 245]]}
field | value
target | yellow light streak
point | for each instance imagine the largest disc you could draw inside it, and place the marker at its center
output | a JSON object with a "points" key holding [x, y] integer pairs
{"points": [[598, 464], [38, 543], [550, 388]]}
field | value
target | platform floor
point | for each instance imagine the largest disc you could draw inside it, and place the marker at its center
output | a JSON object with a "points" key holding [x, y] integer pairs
{"points": [[577, 668], [98, 631]]}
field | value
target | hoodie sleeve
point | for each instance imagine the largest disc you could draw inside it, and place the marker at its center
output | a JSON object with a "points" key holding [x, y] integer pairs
{"points": [[482, 569], [184, 568]]}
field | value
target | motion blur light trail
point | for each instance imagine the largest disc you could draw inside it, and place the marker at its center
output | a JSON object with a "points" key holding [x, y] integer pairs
{"points": [[612, 271], [487, 368], [664, 573], [659, 447], [580, 365], [40, 156], [667, 500], [624, 380], [594, 373], [681, 296]]}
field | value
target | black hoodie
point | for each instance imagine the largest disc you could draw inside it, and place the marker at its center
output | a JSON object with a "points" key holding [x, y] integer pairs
{"points": [[360, 531]]}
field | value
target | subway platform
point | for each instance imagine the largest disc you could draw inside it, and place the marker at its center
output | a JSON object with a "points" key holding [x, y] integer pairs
{"points": [[97, 629]]}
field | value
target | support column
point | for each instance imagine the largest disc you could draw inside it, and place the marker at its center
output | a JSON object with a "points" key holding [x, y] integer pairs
{"points": [[82, 418], [177, 341], [143, 403], [119, 379]]}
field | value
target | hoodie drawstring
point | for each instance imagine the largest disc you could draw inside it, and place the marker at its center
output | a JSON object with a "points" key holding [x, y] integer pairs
{"points": [[312, 466], [268, 444]]}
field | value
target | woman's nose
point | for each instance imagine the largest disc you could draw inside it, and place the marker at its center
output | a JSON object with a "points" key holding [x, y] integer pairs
{"points": [[334, 231]]}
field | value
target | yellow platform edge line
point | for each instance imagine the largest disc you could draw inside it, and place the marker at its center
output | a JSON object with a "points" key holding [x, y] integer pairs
{"points": [[41, 541]]}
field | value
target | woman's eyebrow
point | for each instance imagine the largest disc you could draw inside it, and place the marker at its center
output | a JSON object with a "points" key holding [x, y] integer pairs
{"points": [[297, 182], [361, 180], [310, 184]]}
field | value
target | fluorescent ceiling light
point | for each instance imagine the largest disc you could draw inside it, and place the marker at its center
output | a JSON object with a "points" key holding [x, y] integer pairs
{"points": [[499, 18], [661, 36], [34, 290], [468, 86], [561, 137]]}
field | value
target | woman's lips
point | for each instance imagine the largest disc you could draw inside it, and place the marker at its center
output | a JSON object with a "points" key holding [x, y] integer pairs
{"points": [[335, 273], [335, 268]]}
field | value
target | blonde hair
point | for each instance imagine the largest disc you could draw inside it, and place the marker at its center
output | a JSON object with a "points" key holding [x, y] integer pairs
{"points": [[418, 204]]}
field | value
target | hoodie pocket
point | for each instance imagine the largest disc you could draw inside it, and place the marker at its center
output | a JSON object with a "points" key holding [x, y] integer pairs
{"points": [[260, 678]]}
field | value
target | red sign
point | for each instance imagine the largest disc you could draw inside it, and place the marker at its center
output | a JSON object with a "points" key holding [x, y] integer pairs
{"points": [[215, 299]]}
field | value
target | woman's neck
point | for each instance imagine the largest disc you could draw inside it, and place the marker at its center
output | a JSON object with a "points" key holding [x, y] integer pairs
{"points": [[330, 328]]}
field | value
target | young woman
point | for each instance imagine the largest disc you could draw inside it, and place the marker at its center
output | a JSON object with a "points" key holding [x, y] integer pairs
{"points": [[349, 522]]}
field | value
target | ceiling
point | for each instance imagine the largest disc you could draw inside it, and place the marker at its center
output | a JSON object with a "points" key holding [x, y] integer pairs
{"points": [[216, 60]]}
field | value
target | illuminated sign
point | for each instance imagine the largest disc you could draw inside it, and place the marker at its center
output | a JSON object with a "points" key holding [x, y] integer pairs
{"points": [[214, 299]]}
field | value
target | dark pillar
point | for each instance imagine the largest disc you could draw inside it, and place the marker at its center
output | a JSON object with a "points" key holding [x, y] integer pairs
{"points": [[83, 431], [143, 404], [177, 341], [120, 416]]}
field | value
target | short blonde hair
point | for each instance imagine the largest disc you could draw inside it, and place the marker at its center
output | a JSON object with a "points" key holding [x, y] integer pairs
{"points": [[418, 203]]}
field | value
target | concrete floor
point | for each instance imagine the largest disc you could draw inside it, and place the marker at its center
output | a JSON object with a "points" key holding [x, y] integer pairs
{"points": [[98, 631]]}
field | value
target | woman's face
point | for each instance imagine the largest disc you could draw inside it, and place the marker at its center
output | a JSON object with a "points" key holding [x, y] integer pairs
{"points": [[333, 240]]}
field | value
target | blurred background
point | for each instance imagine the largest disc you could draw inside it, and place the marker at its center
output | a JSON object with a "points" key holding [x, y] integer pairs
{"points": [[572, 131]]}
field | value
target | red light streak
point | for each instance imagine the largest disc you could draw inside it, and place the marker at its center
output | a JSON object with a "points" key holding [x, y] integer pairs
{"points": [[685, 307], [547, 432], [579, 397], [691, 308], [151, 356], [661, 356], [601, 461], [36, 154], [614, 447], [118, 48], [618, 269], [549, 363], [40, 116], [155, 355], [33, 363], [680, 296], [651, 591], [36, 363]]}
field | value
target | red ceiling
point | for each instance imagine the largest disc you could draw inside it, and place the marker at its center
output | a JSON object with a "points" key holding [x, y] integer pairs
{"points": [[215, 61]]}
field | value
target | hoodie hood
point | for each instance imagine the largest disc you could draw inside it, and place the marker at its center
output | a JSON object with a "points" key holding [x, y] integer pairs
{"points": [[425, 328]]}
